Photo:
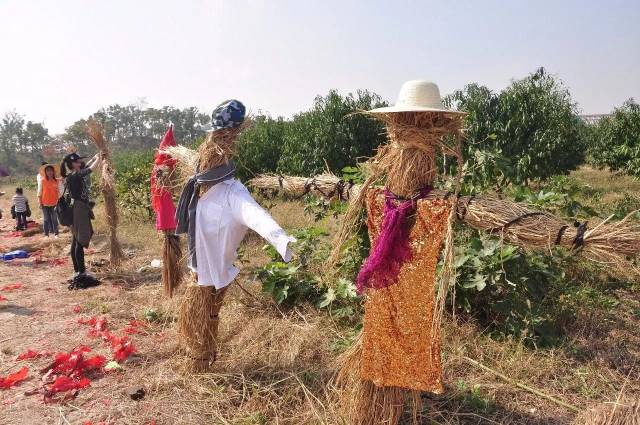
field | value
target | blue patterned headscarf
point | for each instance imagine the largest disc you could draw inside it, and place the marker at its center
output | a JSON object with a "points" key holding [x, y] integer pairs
{"points": [[228, 114]]}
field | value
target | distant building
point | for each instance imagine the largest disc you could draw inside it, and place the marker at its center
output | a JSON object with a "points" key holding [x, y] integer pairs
{"points": [[593, 119]]}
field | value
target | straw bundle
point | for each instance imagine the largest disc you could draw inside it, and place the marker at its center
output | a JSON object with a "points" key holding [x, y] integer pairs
{"points": [[198, 325], [186, 163], [362, 402], [108, 189], [325, 185], [609, 243], [172, 268]]}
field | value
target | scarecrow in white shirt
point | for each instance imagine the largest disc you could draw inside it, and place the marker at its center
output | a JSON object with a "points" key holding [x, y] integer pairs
{"points": [[216, 210]]}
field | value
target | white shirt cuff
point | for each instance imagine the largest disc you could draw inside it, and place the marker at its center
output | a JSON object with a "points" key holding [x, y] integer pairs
{"points": [[283, 247]]}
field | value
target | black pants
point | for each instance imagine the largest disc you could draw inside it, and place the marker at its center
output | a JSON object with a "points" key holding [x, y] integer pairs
{"points": [[77, 256], [21, 220]]}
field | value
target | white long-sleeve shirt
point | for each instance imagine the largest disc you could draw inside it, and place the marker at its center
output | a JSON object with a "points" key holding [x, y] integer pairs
{"points": [[224, 214]]}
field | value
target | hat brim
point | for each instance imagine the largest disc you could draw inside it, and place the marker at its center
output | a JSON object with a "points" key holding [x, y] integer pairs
{"points": [[391, 109], [56, 169]]}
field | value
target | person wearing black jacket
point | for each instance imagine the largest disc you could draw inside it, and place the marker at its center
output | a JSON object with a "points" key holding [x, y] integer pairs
{"points": [[77, 181]]}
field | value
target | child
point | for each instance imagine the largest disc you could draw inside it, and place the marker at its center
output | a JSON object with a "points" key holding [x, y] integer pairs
{"points": [[49, 190], [20, 208]]}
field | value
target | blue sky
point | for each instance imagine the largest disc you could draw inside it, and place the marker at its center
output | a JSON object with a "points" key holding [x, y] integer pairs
{"points": [[62, 60]]}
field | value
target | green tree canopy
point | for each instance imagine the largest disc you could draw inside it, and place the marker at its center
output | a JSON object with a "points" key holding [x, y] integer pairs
{"points": [[615, 140], [528, 131]]}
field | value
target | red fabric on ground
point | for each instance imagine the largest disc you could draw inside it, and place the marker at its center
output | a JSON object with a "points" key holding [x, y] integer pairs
{"points": [[14, 378]]}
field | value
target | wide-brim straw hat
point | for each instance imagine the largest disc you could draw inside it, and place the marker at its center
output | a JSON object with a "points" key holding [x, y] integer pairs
{"points": [[417, 96], [56, 170]]}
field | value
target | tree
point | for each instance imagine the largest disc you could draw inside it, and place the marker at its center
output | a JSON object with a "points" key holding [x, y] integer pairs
{"points": [[11, 129], [21, 143], [331, 134], [529, 131], [615, 140], [260, 147]]}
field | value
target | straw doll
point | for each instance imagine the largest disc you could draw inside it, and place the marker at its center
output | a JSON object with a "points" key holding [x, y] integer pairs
{"points": [[215, 210], [398, 355], [162, 182]]}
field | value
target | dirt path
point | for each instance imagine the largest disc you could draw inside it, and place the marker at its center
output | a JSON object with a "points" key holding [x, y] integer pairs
{"points": [[43, 315]]}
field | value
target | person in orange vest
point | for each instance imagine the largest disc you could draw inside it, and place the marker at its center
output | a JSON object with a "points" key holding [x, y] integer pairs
{"points": [[49, 191]]}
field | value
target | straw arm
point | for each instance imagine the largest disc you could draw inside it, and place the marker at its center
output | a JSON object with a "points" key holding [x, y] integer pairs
{"points": [[612, 244]]}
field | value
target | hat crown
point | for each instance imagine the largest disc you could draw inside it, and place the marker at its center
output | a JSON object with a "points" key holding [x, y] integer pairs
{"points": [[419, 93]]}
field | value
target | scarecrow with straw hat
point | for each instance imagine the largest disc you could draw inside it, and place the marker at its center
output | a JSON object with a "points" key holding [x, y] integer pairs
{"points": [[398, 356], [410, 223], [215, 211]]}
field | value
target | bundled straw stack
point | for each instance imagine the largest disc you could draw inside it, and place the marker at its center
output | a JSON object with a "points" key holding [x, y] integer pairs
{"points": [[609, 243], [325, 185], [107, 187]]}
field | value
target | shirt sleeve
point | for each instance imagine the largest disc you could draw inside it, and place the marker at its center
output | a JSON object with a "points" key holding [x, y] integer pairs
{"points": [[246, 210], [84, 172]]}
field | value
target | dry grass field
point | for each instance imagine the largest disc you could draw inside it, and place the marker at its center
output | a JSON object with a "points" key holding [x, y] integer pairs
{"points": [[275, 365]]}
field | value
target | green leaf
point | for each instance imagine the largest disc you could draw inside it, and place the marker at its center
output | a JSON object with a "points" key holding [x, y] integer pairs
{"points": [[113, 365], [328, 298]]}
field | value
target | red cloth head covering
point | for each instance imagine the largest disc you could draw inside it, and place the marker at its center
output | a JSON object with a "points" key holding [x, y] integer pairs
{"points": [[161, 199]]}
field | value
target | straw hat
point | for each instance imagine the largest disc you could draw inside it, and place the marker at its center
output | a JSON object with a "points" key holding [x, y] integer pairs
{"points": [[56, 170], [417, 96]]}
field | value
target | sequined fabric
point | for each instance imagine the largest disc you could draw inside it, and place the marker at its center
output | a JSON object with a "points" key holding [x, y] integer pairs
{"points": [[400, 347]]}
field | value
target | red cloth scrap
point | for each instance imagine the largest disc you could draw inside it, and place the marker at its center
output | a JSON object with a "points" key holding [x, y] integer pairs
{"points": [[65, 383], [12, 287], [32, 354], [14, 378]]}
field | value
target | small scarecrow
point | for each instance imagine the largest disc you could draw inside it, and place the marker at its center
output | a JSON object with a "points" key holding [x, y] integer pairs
{"points": [[162, 182], [215, 211]]}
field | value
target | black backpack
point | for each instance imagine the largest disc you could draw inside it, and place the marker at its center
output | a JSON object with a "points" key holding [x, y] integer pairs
{"points": [[64, 209]]}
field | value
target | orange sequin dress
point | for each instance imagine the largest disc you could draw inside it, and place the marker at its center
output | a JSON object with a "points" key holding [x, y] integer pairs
{"points": [[400, 347]]}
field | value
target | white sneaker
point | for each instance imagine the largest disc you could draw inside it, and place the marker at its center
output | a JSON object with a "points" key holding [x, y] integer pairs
{"points": [[45, 237], [56, 237]]}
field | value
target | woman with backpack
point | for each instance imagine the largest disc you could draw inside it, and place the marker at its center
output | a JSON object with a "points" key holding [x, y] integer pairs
{"points": [[77, 184]]}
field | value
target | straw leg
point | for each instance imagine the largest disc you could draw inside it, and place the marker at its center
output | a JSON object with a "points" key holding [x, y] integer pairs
{"points": [[364, 403], [198, 325], [172, 270]]}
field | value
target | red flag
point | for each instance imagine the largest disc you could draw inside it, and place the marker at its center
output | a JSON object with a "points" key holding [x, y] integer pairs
{"points": [[161, 199]]}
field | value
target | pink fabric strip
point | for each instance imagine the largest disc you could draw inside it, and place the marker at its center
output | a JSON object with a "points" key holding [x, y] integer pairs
{"points": [[391, 249]]}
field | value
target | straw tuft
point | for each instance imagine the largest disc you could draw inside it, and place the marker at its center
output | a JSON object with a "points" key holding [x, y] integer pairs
{"points": [[172, 268], [362, 402], [198, 325]]}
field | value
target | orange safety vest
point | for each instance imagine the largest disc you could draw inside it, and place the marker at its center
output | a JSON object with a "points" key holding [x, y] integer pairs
{"points": [[49, 195]]}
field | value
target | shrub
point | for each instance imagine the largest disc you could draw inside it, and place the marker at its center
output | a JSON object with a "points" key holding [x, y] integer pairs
{"points": [[529, 131], [615, 140], [260, 147], [133, 173], [330, 134]]}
